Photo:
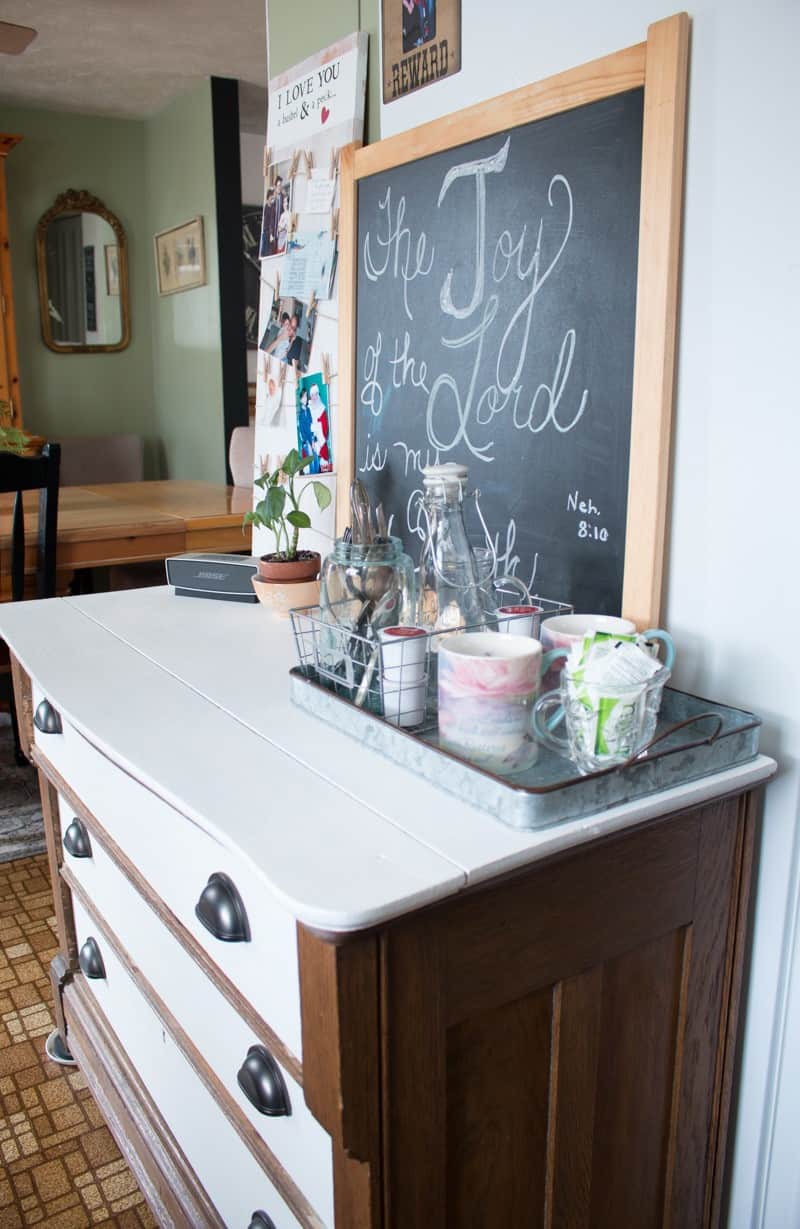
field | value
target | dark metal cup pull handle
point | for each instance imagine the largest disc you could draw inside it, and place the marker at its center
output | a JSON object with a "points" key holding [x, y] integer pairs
{"points": [[76, 840], [261, 1082], [90, 960], [46, 719], [260, 1220], [221, 910]]}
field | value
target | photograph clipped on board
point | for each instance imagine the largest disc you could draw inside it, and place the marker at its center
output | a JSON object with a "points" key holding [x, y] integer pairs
{"points": [[313, 424]]}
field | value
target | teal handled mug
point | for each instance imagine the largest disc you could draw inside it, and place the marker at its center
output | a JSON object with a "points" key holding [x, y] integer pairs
{"points": [[488, 682], [563, 631]]}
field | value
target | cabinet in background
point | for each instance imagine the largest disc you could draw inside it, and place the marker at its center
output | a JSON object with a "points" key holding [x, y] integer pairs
{"points": [[9, 366]]}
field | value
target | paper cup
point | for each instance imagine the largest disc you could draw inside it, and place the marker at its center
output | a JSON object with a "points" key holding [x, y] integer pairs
{"points": [[404, 656], [517, 620]]}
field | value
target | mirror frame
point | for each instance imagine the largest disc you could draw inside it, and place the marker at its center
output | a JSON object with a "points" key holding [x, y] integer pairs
{"points": [[82, 202]]}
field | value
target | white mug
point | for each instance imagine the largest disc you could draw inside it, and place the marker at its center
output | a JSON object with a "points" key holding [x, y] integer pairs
{"points": [[562, 631], [488, 682]]}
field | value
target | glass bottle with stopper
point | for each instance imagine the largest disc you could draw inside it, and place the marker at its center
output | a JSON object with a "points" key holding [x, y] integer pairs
{"points": [[454, 589]]}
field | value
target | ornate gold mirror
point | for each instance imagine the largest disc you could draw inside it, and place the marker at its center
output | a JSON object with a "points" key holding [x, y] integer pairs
{"points": [[82, 263]]}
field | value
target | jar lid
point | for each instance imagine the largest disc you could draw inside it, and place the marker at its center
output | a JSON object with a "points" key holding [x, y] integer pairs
{"points": [[447, 474]]}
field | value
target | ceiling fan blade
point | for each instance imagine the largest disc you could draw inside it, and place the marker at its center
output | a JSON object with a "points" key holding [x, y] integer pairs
{"points": [[14, 39]]}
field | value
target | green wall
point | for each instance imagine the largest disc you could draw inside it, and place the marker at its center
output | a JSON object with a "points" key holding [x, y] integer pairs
{"points": [[187, 365], [80, 394], [322, 23], [167, 385]]}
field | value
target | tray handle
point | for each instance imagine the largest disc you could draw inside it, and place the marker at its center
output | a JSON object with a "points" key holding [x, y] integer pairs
{"points": [[679, 725]]}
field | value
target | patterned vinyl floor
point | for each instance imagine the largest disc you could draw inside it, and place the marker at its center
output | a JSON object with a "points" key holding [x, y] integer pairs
{"points": [[60, 1166]]}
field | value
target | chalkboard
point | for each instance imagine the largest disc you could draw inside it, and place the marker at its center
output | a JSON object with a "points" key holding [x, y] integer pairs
{"points": [[495, 327], [513, 303]]}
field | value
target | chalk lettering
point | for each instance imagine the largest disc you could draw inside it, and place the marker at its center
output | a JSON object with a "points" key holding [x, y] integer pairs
{"points": [[404, 368], [477, 170], [372, 393], [396, 241], [551, 394]]}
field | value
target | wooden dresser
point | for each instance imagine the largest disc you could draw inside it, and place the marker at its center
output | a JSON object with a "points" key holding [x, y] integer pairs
{"points": [[307, 988]]}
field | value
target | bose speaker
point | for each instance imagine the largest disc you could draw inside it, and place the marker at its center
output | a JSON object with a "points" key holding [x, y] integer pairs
{"points": [[226, 577]]}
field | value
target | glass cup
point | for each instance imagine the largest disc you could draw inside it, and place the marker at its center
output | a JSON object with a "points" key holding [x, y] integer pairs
{"points": [[606, 725]]}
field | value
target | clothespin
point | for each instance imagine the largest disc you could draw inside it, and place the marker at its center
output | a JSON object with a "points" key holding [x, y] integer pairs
{"points": [[292, 225], [334, 224], [276, 294], [312, 303], [334, 166], [282, 374], [309, 153], [267, 160], [295, 164], [326, 369]]}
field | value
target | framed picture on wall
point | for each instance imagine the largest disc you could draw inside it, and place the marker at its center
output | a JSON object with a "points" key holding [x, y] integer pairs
{"points": [[421, 44], [180, 257]]}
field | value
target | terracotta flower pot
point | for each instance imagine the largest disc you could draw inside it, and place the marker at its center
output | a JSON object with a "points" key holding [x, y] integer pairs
{"points": [[304, 567]]}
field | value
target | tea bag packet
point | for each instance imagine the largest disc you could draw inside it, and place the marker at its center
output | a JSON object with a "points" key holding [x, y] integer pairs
{"points": [[609, 676]]}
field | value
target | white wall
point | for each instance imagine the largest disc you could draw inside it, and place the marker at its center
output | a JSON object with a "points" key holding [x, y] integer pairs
{"points": [[732, 590]]}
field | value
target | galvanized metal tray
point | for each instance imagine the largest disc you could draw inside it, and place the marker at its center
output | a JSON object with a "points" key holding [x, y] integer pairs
{"points": [[694, 738]]}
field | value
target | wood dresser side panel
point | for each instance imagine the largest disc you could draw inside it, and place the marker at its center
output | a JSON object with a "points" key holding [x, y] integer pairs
{"points": [[341, 1066], [23, 698], [556, 1049]]}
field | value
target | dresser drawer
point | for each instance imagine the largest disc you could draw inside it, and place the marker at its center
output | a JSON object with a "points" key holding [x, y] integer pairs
{"points": [[219, 1037], [176, 858], [235, 1182]]}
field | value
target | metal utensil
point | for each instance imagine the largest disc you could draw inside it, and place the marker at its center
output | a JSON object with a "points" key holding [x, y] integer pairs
{"points": [[360, 506], [380, 521]]}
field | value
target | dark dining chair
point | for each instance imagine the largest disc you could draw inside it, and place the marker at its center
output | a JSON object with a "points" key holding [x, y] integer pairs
{"points": [[17, 475]]}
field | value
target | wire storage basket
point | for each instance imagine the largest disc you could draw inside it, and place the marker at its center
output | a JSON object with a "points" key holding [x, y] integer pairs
{"points": [[392, 673]]}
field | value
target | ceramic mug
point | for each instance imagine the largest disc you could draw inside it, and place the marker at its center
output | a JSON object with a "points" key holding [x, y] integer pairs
{"points": [[488, 683], [562, 631]]}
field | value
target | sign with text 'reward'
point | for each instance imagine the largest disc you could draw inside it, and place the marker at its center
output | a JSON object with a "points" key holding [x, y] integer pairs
{"points": [[321, 99], [421, 44]]}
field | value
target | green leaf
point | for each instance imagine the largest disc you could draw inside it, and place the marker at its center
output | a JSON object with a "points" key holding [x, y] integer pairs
{"points": [[300, 520], [291, 462], [262, 511], [275, 501], [323, 495], [262, 481], [249, 518]]}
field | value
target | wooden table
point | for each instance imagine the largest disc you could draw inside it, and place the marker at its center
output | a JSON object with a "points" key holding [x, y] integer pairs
{"points": [[129, 522]]}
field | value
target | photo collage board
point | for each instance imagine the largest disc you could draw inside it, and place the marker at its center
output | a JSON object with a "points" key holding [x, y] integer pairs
{"points": [[315, 109]]}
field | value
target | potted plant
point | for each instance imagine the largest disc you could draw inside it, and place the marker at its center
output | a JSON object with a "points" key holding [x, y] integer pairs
{"points": [[281, 513], [14, 439]]}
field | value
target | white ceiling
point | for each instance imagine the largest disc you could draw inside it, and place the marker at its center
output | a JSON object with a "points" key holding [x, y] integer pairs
{"points": [[131, 57]]}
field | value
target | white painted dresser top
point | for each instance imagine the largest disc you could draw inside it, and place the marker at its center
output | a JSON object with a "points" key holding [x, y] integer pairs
{"points": [[191, 697]]}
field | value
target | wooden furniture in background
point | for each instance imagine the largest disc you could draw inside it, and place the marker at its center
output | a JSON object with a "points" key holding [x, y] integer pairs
{"points": [[471, 1025], [114, 523], [9, 365], [19, 475]]}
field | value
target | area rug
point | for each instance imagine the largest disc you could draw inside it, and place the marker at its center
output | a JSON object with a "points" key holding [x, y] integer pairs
{"points": [[21, 825]]}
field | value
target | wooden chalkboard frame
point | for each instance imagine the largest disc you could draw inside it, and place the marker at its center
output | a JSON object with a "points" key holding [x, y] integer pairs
{"points": [[660, 65]]}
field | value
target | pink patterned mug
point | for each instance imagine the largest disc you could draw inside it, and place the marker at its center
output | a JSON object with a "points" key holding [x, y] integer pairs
{"points": [[488, 683]]}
